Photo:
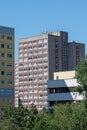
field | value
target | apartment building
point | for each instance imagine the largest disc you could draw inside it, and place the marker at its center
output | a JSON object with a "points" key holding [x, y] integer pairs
{"points": [[61, 89], [39, 57], [6, 66], [76, 52]]}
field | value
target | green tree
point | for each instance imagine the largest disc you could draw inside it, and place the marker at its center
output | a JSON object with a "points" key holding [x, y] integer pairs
{"points": [[64, 117], [69, 117], [21, 117], [79, 117], [42, 121], [81, 76], [8, 125]]}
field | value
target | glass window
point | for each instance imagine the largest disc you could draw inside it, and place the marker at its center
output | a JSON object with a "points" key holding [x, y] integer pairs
{"points": [[9, 37], [2, 45], [9, 46], [2, 82], [40, 41], [2, 54], [9, 82], [2, 72], [9, 64], [9, 73], [9, 55]]}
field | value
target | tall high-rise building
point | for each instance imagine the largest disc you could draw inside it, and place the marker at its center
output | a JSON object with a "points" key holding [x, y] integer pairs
{"points": [[6, 66], [39, 57], [76, 52]]}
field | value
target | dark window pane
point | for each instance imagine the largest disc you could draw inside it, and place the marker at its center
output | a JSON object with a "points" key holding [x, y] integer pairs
{"points": [[2, 54], [2, 45], [2, 73]]}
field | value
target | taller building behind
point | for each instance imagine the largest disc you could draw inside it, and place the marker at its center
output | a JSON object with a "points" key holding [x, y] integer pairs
{"points": [[76, 52], [6, 66], [39, 57]]}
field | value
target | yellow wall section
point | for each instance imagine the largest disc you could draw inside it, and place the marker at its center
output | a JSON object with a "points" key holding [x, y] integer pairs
{"points": [[64, 75]]}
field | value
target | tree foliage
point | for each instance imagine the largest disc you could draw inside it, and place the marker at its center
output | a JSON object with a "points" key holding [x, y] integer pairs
{"points": [[64, 117], [81, 76]]}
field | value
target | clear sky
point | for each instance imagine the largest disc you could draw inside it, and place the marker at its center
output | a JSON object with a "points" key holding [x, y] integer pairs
{"points": [[32, 17]]}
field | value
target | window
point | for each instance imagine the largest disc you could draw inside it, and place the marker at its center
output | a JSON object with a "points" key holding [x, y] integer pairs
{"points": [[2, 82], [2, 45], [40, 41], [9, 46], [56, 46], [9, 73], [39, 46], [2, 54], [45, 40], [9, 55], [2, 64], [9, 64], [2, 72], [9, 82], [9, 37], [45, 67], [10, 101]]}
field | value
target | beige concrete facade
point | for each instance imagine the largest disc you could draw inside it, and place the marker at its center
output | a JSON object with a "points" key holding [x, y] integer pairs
{"points": [[64, 75], [39, 57]]}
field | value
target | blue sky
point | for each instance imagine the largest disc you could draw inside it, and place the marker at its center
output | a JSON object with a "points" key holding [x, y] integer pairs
{"points": [[32, 17]]}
